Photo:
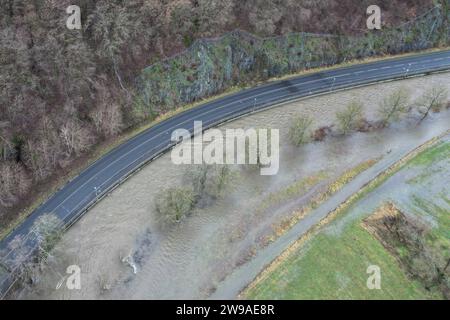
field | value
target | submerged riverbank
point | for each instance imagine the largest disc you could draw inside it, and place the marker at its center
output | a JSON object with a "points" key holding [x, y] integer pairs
{"points": [[333, 264]]}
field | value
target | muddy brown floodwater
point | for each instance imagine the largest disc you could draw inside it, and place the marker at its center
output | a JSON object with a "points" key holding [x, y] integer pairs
{"points": [[190, 260]]}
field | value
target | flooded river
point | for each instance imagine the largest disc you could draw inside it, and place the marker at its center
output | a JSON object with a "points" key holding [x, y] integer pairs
{"points": [[191, 260]]}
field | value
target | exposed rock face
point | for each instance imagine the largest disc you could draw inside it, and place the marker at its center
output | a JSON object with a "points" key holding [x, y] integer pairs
{"points": [[210, 66]]}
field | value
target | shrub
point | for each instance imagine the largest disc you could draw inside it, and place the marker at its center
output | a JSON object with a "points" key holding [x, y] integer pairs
{"points": [[350, 117], [173, 204], [299, 132], [204, 185]]}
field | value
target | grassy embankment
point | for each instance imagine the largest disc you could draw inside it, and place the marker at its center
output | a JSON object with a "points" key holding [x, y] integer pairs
{"points": [[299, 188]]}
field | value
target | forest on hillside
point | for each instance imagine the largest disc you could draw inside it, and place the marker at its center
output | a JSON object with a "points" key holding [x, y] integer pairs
{"points": [[63, 92]]}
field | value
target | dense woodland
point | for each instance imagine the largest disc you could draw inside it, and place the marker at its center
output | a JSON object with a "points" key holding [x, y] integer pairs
{"points": [[62, 92]]}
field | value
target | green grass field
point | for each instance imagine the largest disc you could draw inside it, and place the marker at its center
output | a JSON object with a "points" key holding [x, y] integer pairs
{"points": [[439, 152], [434, 162], [334, 266]]}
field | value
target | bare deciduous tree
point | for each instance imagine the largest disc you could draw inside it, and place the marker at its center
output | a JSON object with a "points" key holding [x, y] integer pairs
{"points": [[107, 115], [393, 106], [42, 153], [30, 255], [75, 138], [48, 229], [209, 181], [432, 100], [14, 183]]}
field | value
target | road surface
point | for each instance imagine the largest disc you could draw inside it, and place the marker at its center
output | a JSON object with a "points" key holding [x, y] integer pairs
{"points": [[78, 195]]}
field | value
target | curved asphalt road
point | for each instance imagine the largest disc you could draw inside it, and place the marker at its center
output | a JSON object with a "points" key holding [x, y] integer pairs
{"points": [[70, 202]]}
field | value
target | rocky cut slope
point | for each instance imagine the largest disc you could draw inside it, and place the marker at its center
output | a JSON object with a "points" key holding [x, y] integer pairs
{"points": [[210, 66], [65, 92]]}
